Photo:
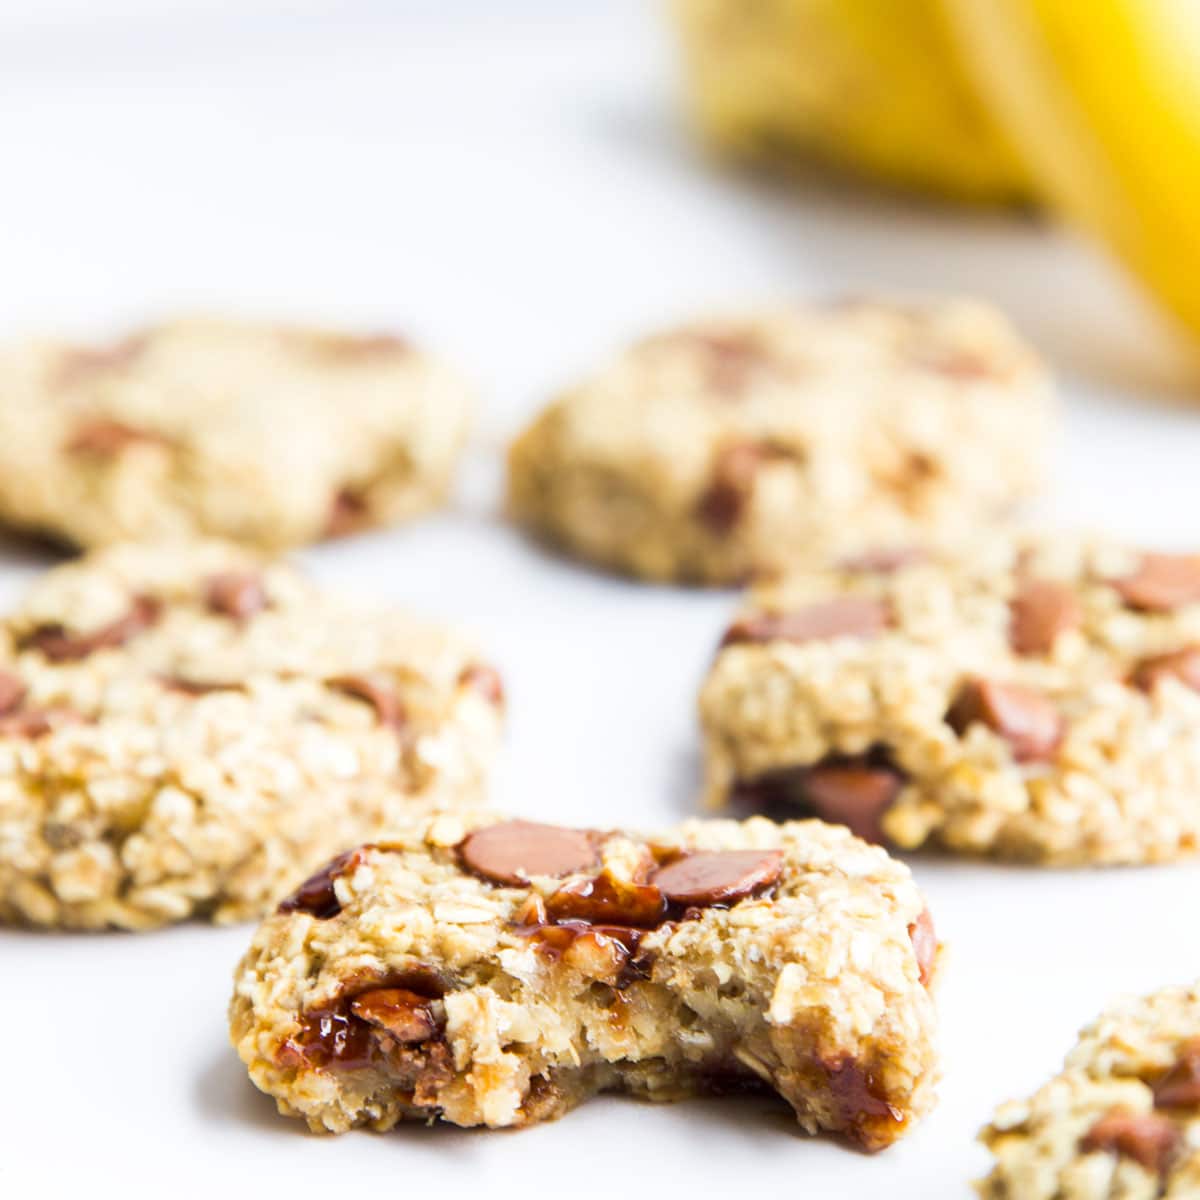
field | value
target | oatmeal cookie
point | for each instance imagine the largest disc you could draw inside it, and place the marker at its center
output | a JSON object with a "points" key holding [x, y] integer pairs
{"points": [[1027, 698], [1122, 1119], [711, 452], [265, 434], [189, 731], [491, 972]]}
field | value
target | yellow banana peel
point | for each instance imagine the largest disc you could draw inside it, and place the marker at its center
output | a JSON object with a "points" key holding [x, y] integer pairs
{"points": [[872, 86], [1103, 100]]}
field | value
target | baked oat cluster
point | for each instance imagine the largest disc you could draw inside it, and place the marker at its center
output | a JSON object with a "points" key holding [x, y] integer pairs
{"points": [[1121, 1121], [721, 449], [1032, 699], [187, 731], [491, 972], [267, 434]]}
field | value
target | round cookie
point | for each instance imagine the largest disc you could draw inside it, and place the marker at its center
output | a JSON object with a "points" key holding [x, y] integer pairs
{"points": [[189, 731], [1030, 699], [718, 450], [497, 973], [1122, 1119], [271, 435]]}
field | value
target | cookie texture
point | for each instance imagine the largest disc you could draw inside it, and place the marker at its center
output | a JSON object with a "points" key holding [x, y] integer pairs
{"points": [[714, 451], [488, 972], [189, 731], [1027, 698], [266, 434], [1122, 1119]]}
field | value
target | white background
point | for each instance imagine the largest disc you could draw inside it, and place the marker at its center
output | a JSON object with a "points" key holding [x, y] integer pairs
{"points": [[512, 182]]}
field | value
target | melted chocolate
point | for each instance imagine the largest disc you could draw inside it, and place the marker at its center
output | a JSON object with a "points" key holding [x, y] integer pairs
{"points": [[316, 895], [336, 1035]]}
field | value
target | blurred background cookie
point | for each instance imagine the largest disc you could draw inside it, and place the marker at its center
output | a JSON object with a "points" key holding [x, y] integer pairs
{"points": [[267, 434], [1118, 1120], [1023, 698], [710, 452]]}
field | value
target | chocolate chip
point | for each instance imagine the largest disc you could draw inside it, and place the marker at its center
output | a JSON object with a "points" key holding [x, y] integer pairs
{"points": [[1161, 583], [1183, 665], [731, 359], [1025, 719], [485, 680], [379, 695], [853, 793], [707, 877], [197, 687], [348, 513], [36, 722], [1039, 612], [925, 945], [104, 438], [84, 362], [59, 645], [316, 895], [731, 482], [514, 851], [236, 594], [846, 616], [406, 1016], [1148, 1138], [608, 900], [957, 362], [12, 691], [1180, 1086], [885, 560]]}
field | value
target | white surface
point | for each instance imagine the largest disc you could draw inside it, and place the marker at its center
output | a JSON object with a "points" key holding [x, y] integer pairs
{"points": [[509, 181]]}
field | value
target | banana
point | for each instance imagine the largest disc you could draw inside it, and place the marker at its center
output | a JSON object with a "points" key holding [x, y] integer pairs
{"points": [[1103, 100], [872, 86]]}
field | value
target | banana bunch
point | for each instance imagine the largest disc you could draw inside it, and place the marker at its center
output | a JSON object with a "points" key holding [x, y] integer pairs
{"points": [[1092, 107]]}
